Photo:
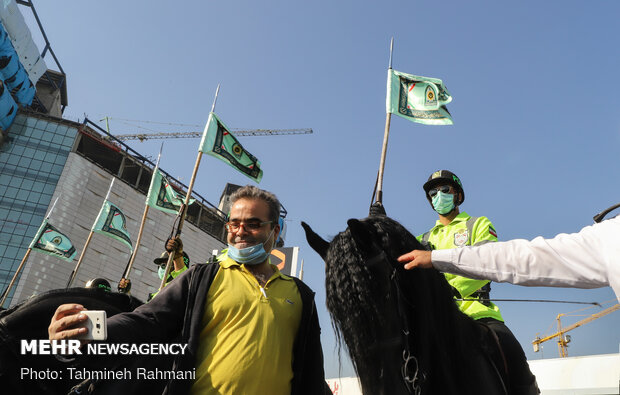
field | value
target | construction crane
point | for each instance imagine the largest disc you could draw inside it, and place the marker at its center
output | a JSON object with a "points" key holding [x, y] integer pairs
{"points": [[563, 339], [180, 135]]}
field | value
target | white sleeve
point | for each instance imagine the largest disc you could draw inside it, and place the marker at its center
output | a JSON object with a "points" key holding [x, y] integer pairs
{"points": [[588, 259]]}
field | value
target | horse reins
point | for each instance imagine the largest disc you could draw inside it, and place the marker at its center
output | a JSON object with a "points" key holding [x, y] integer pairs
{"points": [[409, 367]]}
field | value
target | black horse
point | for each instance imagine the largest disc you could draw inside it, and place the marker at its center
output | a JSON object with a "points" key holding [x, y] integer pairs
{"points": [[29, 320], [403, 331]]}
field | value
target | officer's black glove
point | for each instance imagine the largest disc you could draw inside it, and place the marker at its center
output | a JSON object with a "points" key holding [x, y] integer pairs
{"points": [[175, 245]]}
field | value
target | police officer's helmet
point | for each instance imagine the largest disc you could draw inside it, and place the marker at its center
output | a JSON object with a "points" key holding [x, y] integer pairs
{"points": [[442, 177], [163, 259], [99, 283]]}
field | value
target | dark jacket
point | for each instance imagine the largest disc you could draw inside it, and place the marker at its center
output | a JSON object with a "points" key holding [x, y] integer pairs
{"points": [[176, 315]]}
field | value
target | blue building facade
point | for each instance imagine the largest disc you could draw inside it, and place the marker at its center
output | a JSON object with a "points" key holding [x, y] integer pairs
{"points": [[31, 162]]}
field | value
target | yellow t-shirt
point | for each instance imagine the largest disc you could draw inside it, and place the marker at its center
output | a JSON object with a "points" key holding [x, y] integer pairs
{"points": [[247, 336]]}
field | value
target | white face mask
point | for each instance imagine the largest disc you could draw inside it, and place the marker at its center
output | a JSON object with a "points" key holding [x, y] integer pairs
{"points": [[443, 203], [252, 255]]}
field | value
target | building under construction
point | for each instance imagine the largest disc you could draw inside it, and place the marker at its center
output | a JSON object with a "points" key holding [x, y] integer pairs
{"points": [[44, 157]]}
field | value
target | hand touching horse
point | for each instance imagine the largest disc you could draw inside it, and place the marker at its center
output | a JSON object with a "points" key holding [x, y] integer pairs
{"points": [[403, 331]]}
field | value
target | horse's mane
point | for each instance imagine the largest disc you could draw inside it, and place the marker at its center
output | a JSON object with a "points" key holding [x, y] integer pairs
{"points": [[354, 292]]}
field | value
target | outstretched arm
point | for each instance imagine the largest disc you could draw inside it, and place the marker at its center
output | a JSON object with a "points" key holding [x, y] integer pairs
{"points": [[416, 259]]}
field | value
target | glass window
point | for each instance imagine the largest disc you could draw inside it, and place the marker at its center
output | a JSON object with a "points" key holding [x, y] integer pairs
{"points": [[13, 160], [50, 157], [27, 184], [49, 189], [26, 217], [14, 215], [68, 141], [37, 187], [22, 194], [23, 162], [29, 152], [10, 193], [61, 159], [47, 136], [31, 122], [57, 139], [35, 164], [33, 197], [5, 179], [16, 182], [11, 252], [57, 169], [17, 150], [51, 127]]}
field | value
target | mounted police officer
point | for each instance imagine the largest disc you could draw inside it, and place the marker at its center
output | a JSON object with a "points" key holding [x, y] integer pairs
{"points": [[455, 229]]}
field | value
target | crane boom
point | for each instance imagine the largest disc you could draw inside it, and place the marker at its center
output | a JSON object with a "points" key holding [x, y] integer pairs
{"points": [[562, 341], [180, 135]]}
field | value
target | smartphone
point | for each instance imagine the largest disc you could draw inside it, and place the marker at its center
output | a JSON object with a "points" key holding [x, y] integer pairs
{"points": [[96, 324]]}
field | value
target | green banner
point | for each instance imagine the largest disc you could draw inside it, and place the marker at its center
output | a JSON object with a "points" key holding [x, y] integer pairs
{"points": [[418, 99], [162, 196], [50, 240], [217, 141], [112, 223]]}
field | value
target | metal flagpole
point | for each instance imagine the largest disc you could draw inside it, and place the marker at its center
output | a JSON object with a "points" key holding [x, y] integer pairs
{"points": [[183, 211], [90, 236], [5, 294], [388, 117], [123, 283]]}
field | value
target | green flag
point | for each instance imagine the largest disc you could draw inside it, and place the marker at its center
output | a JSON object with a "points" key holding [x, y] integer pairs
{"points": [[418, 99], [162, 196], [50, 240], [219, 142], [111, 222]]}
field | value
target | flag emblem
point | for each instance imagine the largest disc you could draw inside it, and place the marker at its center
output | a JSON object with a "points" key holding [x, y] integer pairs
{"points": [[217, 141], [418, 99], [112, 223], [50, 240], [163, 196]]}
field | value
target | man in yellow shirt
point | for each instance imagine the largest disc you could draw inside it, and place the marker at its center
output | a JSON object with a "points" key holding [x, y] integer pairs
{"points": [[455, 229], [249, 328]]}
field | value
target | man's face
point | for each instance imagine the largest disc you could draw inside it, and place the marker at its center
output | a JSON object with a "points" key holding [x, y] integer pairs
{"points": [[251, 211]]}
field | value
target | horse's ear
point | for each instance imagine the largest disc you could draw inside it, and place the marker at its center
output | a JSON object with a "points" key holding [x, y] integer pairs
{"points": [[359, 232], [316, 242]]}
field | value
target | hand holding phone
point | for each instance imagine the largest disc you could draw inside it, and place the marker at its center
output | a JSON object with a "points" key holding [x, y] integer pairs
{"points": [[97, 325]]}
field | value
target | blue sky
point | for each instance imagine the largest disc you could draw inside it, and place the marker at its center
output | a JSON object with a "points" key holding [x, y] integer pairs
{"points": [[536, 127]]}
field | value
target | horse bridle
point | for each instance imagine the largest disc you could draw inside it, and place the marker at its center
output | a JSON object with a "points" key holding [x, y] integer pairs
{"points": [[410, 369]]}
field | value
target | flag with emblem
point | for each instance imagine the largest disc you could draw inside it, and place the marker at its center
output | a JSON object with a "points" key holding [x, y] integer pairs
{"points": [[217, 141], [418, 99], [162, 196], [112, 223], [50, 240]]}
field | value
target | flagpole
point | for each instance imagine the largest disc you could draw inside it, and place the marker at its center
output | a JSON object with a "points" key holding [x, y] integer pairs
{"points": [[122, 285], [185, 205], [388, 117], [5, 294], [90, 236]]}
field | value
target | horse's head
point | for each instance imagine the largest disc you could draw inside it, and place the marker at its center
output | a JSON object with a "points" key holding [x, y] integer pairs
{"points": [[364, 286]]}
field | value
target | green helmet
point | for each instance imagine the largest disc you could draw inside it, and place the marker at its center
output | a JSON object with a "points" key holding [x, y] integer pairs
{"points": [[441, 177], [99, 283]]}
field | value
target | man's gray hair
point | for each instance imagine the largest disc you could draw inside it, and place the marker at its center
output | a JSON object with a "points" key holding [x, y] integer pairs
{"points": [[252, 192]]}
